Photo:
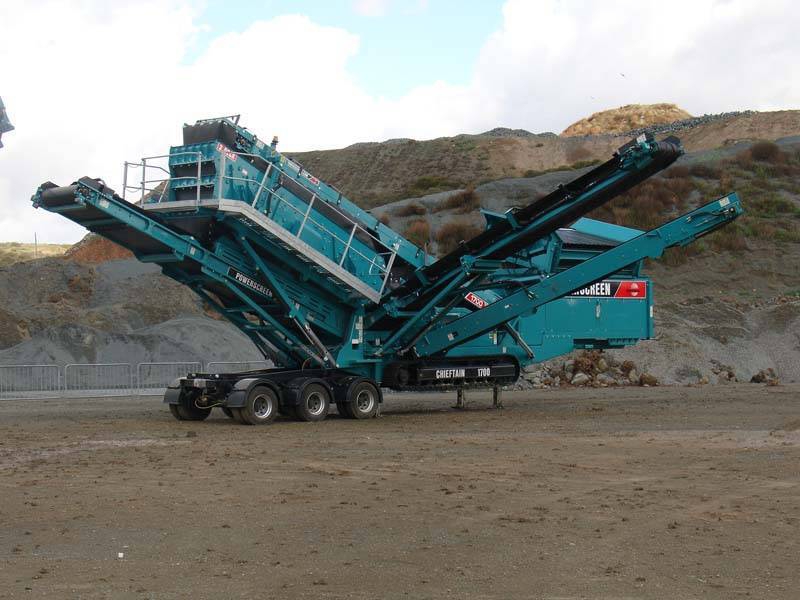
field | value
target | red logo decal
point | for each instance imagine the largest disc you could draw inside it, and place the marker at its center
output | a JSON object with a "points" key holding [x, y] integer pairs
{"points": [[476, 300], [632, 289]]}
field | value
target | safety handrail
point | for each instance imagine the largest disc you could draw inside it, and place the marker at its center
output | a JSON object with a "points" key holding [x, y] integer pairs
{"points": [[353, 225], [143, 187], [314, 193]]}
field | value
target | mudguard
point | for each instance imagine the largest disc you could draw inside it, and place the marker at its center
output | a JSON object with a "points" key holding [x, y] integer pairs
{"points": [[173, 393], [238, 395], [341, 391], [294, 388]]}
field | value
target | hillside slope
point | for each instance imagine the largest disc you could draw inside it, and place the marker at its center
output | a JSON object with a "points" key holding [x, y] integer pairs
{"points": [[15, 252], [625, 118], [727, 304], [731, 299], [375, 173], [59, 311]]}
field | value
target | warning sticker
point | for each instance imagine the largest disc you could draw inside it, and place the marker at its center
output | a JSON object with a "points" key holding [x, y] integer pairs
{"points": [[229, 154], [310, 177]]}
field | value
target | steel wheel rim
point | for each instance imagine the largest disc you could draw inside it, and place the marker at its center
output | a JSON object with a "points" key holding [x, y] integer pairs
{"points": [[262, 407], [365, 401], [315, 403]]}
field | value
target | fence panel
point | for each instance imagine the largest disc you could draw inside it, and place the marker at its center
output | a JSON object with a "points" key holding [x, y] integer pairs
{"points": [[153, 378], [98, 380], [29, 381], [234, 367]]}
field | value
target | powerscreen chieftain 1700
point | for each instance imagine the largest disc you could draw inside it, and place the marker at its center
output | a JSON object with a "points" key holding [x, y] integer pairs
{"points": [[344, 305]]}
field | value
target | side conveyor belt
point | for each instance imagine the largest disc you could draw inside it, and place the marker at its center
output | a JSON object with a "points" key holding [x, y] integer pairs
{"points": [[652, 244], [632, 164]]}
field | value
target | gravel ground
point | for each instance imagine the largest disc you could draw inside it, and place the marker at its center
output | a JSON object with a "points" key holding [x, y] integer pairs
{"points": [[604, 494]]}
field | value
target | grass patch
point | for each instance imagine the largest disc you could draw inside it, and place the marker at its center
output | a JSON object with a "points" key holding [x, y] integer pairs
{"points": [[462, 202], [705, 171], [645, 206], [676, 172], [418, 232], [766, 151], [574, 166], [410, 210], [429, 184], [14, 252], [451, 234], [730, 238]]}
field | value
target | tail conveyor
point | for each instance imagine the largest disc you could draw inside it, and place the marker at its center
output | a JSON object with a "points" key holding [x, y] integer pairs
{"points": [[344, 305]]}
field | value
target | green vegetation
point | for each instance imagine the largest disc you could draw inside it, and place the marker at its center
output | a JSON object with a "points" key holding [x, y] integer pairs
{"points": [[430, 184], [410, 210], [451, 234], [765, 177], [574, 166], [462, 202], [418, 232], [14, 252]]}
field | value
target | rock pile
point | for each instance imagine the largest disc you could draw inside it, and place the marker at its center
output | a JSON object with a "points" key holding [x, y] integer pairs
{"points": [[767, 376], [93, 249], [625, 118], [589, 368], [684, 124]]}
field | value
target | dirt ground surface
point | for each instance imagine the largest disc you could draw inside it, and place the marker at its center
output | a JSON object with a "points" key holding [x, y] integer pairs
{"points": [[673, 492]]}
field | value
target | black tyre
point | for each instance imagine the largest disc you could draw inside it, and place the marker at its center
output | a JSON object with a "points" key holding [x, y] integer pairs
{"points": [[173, 408], [344, 410], [261, 406], [315, 402], [187, 409], [363, 400], [238, 416]]}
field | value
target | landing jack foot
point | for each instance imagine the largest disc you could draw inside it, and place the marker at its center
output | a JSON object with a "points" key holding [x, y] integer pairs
{"points": [[497, 399], [460, 402]]}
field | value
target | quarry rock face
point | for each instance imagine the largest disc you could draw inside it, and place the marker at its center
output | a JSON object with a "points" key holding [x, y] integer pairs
{"points": [[721, 316], [626, 118]]}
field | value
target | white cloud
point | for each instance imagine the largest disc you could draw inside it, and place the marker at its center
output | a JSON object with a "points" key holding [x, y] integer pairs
{"points": [[371, 8], [90, 86], [380, 8]]}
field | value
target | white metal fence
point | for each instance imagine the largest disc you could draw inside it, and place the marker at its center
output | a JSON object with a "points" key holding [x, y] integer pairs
{"points": [[30, 381], [153, 378], [109, 379], [234, 367], [104, 379]]}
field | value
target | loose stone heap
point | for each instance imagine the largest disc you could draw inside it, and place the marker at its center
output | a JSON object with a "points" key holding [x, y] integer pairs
{"points": [[589, 368]]}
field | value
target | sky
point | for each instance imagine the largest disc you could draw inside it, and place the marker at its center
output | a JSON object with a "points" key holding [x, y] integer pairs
{"points": [[89, 84]]}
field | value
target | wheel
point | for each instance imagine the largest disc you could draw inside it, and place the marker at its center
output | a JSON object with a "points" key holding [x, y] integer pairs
{"points": [[344, 410], [186, 410], [228, 412], [363, 400], [238, 417], [315, 402], [261, 406]]}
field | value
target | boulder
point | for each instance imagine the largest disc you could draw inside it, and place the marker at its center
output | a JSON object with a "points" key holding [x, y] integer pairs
{"points": [[647, 379], [580, 378], [606, 379]]}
